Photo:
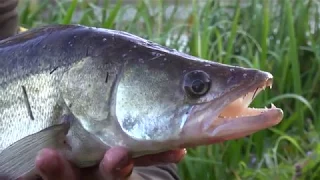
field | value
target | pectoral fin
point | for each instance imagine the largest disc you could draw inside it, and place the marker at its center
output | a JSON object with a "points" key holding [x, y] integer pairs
{"points": [[19, 158]]}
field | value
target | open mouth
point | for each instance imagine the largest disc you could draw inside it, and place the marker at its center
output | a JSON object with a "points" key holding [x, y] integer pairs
{"points": [[237, 119], [240, 107]]}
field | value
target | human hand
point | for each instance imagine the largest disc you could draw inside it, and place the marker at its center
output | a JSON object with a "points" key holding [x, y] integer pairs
{"points": [[116, 164]]}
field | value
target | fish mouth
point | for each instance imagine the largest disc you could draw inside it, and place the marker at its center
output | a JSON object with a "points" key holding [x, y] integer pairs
{"points": [[233, 119], [237, 119]]}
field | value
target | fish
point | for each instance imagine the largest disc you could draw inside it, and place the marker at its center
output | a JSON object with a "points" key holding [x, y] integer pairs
{"points": [[81, 90]]}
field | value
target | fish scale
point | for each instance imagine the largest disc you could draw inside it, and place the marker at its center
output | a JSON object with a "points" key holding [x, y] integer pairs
{"points": [[42, 107]]}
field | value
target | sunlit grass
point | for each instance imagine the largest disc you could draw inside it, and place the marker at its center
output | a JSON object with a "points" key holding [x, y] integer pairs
{"points": [[281, 37]]}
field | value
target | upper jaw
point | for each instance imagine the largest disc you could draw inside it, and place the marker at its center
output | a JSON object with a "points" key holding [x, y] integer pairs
{"points": [[239, 105], [237, 119]]}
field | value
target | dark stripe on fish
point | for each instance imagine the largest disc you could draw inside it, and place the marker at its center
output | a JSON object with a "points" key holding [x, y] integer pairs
{"points": [[27, 102], [107, 78]]}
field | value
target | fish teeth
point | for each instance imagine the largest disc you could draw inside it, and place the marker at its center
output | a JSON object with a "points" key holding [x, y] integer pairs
{"points": [[273, 106]]}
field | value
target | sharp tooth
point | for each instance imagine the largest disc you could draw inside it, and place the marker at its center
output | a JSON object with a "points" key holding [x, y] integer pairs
{"points": [[265, 107], [272, 105], [254, 93]]}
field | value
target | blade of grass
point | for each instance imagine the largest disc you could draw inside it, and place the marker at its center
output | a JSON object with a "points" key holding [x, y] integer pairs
{"points": [[112, 16], [231, 39], [293, 55], [67, 18]]}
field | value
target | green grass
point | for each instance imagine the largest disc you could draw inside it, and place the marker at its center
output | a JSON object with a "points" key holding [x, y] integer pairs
{"points": [[278, 36]]}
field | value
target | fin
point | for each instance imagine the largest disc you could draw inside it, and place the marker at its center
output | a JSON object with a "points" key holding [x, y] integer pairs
{"points": [[87, 149], [19, 159]]}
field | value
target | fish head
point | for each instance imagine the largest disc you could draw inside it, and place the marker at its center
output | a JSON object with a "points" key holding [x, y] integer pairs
{"points": [[175, 99]]}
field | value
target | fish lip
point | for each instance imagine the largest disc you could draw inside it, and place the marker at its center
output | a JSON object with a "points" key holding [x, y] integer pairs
{"points": [[251, 124]]}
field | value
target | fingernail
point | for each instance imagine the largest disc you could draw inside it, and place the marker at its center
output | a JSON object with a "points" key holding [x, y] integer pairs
{"points": [[122, 163], [124, 172], [175, 157], [185, 151]]}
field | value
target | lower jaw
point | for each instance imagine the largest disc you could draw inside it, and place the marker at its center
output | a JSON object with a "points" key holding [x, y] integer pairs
{"points": [[224, 129], [214, 140]]}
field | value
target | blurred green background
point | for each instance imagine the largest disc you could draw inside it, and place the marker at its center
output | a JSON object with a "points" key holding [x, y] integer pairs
{"points": [[279, 36]]}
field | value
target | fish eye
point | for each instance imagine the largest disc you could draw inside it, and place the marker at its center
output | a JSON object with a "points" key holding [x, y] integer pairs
{"points": [[197, 83]]}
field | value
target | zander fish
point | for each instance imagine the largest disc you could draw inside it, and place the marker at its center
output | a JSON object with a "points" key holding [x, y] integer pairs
{"points": [[82, 90]]}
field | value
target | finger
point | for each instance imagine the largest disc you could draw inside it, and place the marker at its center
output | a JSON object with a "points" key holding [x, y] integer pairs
{"points": [[173, 156], [116, 163], [124, 172], [52, 166]]}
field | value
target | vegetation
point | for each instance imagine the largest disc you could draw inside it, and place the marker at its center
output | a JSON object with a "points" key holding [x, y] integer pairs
{"points": [[282, 37]]}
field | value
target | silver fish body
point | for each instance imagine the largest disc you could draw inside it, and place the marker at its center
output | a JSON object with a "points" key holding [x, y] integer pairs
{"points": [[82, 90]]}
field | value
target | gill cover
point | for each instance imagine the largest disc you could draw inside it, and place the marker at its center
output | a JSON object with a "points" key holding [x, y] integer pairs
{"points": [[85, 92], [150, 103]]}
